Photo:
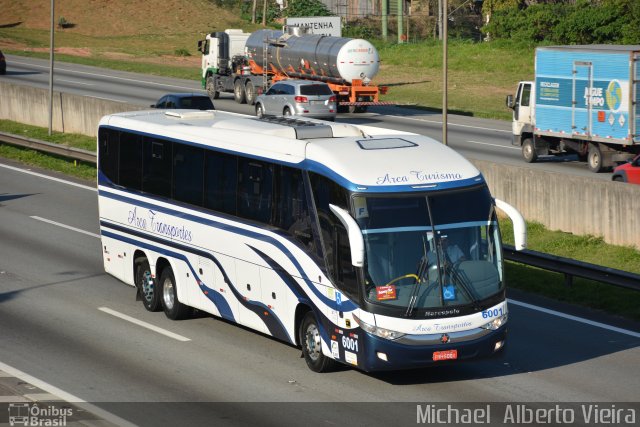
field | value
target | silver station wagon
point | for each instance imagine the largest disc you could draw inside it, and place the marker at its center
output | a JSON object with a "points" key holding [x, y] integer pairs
{"points": [[301, 98]]}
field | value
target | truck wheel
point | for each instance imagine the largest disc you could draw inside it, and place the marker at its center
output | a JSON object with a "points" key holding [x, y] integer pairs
{"points": [[173, 308], [238, 92], [311, 343], [250, 90], [211, 88], [529, 151], [259, 111], [594, 159], [147, 286]]}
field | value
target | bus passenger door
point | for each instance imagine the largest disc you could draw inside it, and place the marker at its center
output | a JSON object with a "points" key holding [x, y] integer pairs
{"points": [[248, 285]]}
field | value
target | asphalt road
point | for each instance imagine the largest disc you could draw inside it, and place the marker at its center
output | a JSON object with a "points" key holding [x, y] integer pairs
{"points": [[60, 321], [474, 138]]}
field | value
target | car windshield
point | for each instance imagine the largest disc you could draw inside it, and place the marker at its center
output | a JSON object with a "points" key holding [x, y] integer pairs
{"points": [[197, 102], [430, 250], [315, 89]]}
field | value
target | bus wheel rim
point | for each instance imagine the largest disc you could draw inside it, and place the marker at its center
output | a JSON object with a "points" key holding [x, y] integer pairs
{"points": [[313, 342], [167, 293]]}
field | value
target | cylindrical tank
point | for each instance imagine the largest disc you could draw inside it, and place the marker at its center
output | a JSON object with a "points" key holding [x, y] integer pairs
{"points": [[336, 59]]}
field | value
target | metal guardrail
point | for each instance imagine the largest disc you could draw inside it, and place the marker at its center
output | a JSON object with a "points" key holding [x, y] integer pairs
{"points": [[569, 267], [572, 268], [50, 148]]}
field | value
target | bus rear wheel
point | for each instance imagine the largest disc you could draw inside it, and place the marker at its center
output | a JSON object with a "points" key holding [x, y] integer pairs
{"points": [[146, 285], [311, 344], [172, 307]]}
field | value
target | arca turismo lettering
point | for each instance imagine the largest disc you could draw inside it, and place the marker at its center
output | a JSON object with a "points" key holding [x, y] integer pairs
{"points": [[437, 414], [419, 176], [151, 222]]}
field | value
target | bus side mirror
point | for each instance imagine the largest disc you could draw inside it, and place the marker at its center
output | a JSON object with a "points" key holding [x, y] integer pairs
{"points": [[510, 103], [356, 241], [519, 226]]}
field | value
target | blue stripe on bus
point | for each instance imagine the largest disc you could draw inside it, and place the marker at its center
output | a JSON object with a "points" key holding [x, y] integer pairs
{"points": [[269, 318], [216, 298], [343, 306]]}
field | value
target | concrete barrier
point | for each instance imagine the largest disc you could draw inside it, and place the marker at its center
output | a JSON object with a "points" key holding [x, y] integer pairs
{"points": [[575, 204], [71, 113], [579, 205]]}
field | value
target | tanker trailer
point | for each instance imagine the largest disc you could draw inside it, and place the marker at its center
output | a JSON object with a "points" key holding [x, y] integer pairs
{"points": [[347, 65]]}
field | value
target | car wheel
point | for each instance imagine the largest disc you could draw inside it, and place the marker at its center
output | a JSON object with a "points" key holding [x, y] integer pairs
{"points": [[617, 178], [287, 112], [259, 111]]}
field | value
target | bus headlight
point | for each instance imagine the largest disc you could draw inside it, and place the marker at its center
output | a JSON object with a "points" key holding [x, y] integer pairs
{"points": [[380, 332], [495, 323]]}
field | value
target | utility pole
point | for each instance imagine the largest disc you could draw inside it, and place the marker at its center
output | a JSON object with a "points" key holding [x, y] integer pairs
{"points": [[51, 70], [385, 17], [440, 19], [444, 71]]}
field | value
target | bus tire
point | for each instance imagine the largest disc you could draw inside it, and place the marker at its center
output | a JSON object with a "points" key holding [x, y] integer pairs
{"points": [[172, 307], [529, 151], [238, 92], [147, 286], [311, 344]]}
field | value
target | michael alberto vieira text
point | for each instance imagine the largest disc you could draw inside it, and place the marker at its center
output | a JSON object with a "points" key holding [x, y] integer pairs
{"points": [[519, 414]]}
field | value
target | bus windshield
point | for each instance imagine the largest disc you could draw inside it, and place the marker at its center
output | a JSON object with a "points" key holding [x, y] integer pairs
{"points": [[430, 250]]}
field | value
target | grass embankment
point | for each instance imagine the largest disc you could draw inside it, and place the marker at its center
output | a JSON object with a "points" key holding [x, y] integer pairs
{"points": [[46, 161], [608, 298]]}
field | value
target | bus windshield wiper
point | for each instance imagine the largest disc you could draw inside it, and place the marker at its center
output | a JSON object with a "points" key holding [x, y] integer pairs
{"points": [[423, 271]]}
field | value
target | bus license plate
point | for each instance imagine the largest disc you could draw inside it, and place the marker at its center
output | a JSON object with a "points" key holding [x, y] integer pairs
{"points": [[445, 355]]}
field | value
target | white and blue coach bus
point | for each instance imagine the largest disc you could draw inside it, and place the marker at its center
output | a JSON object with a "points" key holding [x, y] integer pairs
{"points": [[371, 247]]}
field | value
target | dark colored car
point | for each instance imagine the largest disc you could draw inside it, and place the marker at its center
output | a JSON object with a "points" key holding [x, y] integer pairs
{"points": [[181, 101], [3, 64], [628, 172]]}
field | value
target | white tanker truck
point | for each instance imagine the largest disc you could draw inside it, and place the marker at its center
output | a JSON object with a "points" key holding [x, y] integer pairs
{"points": [[246, 64]]}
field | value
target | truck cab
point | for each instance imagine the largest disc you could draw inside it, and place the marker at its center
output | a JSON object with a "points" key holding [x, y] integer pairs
{"points": [[523, 107]]}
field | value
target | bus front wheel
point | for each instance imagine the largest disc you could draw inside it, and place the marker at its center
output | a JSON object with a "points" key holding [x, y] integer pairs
{"points": [[172, 307], [147, 286], [311, 343]]}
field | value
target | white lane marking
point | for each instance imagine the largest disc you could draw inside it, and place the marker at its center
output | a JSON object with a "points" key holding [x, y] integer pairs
{"points": [[39, 175], [75, 82], [68, 397], [450, 124], [575, 318], [144, 324], [68, 227], [111, 77], [494, 145]]}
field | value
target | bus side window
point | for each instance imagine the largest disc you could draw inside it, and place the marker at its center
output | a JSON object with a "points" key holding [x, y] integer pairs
{"points": [[188, 174], [109, 150], [255, 190], [333, 234], [130, 161], [220, 182], [291, 210], [157, 167]]}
